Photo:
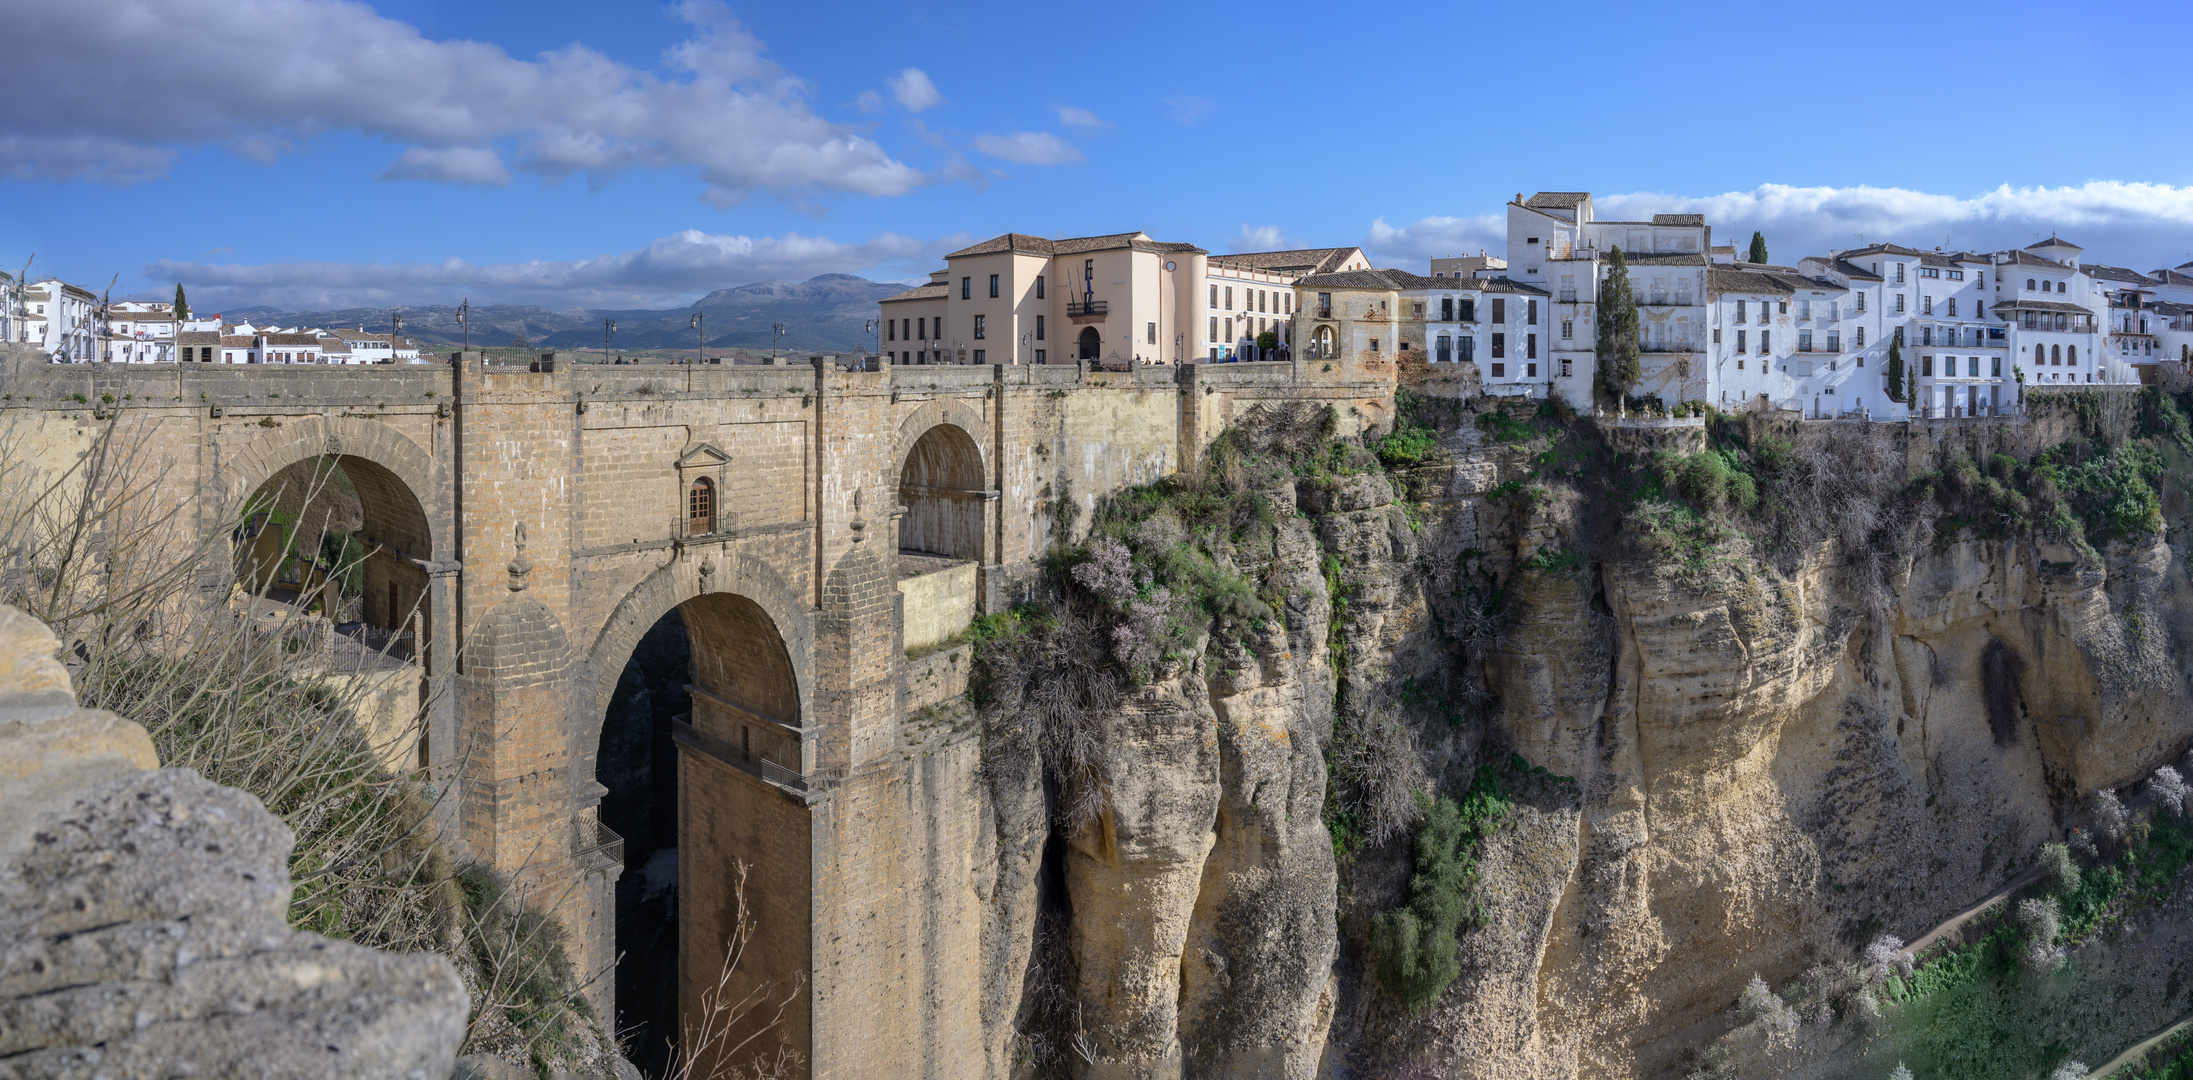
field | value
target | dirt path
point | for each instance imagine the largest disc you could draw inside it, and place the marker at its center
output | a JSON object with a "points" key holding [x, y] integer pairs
{"points": [[1950, 925], [2139, 1051]]}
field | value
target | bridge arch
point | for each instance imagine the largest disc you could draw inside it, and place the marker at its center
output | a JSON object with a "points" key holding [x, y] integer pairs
{"points": [[943, 482]]}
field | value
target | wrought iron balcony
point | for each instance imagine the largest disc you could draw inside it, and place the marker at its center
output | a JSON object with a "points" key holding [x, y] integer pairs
{"points": [[1087, 309]]}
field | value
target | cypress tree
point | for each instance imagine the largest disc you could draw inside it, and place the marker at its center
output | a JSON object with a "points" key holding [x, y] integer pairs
{"points": [[1617, 331], [1758, 252], [182, 306], [1896, 371]]}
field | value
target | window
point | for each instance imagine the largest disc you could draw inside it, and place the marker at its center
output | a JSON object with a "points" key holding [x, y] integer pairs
{"points": [[1716, 335], [1152, 334], [1564, 367], [1229, 330], [1804, 309], [1926, 366], [1956, 275], [1568, 329], [1804, 341], [1262, 297], [1764, 346], [1374, 344], [1899, 303], [1899, 273], [982, 326], [1469, 349], [1499, 371], [2071, 359], [1739, 342], [937, 326], [1416, 310], [1499, 345], [967, 288], [921, 327], [1972, 366], [1781, 307], [1039, 293], [1469, 310], [1926, 305], [1835, 341], [1088, 275], [1530, 371], [1286, 303], [1229, 298], [982, 356], [1530, 347], [1446, 309], [1039, 323], [1532, 316], [1445, 351], [1214, 328], [700, 507], [1739, 311], [1926, 335], [2029, 284], [993, 286], [891, 329], [1214, 296], [1953, 307], [1041, 354], [1499, 311], [1860, 306], [1929, 271]]}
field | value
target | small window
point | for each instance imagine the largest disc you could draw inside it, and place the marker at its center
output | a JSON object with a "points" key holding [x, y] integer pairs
{"points": [[993, 286], [700, 507], [1229, 298], [1214, 296], [1532, 319], [2029, 284], [1374, 344], [1039, 323], [1040, 356], [982, 356], [1153, 333], [1039, 290], [1926, 365], [967, 288], [1499, 310], [982, 327], [1568, 330], [1499, 346], [1952, 306]]}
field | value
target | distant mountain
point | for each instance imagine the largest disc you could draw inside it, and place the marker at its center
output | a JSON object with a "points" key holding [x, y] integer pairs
{"points": [[824, 314]]}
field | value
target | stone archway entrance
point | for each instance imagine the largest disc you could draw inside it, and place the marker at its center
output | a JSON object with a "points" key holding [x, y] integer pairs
{"points": [[1090, 344], [701, 742]]}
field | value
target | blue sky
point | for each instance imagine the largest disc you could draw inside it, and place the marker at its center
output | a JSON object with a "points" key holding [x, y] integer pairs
{"points": [[308, 153]]}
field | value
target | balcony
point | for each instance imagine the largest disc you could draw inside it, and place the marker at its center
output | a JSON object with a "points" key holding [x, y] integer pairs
{"points": [[1567, 296], [1325, 312], [592, 839], [1570, 252], [1090, 310]]}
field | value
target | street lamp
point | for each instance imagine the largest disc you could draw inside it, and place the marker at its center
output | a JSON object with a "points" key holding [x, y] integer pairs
{"points": [[777, 342], [700, 337], [609, 326], [876, 327], [464, 320]]}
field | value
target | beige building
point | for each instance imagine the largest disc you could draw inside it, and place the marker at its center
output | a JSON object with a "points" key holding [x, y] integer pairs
{"points": [[1120, 299]]}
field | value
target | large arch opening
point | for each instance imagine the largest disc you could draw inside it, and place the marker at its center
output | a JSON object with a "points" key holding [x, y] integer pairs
{"points": [[942, 490], [716, 668], [1089, 344]]}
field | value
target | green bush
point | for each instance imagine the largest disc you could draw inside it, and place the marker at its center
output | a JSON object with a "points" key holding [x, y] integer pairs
{"points": [[1416, 944]]}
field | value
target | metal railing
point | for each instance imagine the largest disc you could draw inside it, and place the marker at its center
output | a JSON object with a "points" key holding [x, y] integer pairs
{"points": [[1076, 309], [594, 838], [734, 755], [1324, 312]]}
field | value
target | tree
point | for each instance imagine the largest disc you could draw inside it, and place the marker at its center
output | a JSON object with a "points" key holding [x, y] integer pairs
{"points": [[1896, 371], [1617, 331], [182, 306], [1758, 253]]}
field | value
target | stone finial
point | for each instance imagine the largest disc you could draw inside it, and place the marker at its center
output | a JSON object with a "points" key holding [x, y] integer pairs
{"points": [[708, 575], [857, 525], [520, 566]]}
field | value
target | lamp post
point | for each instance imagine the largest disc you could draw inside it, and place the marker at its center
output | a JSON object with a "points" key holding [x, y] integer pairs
{"points": [[777, 341], [609, 326], [1027, 342], [875, 327], [464, 321], [700, 337]]}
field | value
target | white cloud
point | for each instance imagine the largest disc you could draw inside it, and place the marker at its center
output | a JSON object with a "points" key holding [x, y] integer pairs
{"points": [[1187, 108], [914, 90], [478, 165], [1075, 116], [1029, 148], [2121, 223], [1262, 238], [260, 77], [668, 272], [1413, 246]]}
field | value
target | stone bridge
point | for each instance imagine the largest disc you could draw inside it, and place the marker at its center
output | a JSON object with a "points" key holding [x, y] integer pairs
{"points": [[528, 524]]}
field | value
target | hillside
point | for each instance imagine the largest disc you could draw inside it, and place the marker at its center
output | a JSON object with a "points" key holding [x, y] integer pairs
{"points": [[826, 314]]}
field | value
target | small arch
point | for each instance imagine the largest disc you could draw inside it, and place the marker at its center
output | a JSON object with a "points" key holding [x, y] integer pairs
{"points": [[700, 507], [2029, 284], [1090, 344], [2055, 355], [2071, 359], [1321, 344]]}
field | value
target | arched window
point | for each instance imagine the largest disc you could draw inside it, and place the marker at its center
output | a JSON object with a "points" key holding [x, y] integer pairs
{"points": [[2073, 359], [2055, 355], [2029, 284], [700, 507]]}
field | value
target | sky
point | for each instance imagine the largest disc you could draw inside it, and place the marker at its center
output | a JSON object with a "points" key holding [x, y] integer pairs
{"points": [[314, 153]]}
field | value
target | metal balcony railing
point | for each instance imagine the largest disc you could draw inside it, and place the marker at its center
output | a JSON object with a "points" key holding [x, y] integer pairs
{"points": [[1077, 309], [594, 838]]}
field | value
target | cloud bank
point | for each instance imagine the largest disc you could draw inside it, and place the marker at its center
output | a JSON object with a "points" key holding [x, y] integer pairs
{"points": [[2121, 223], [259, 77], [668, 272]]}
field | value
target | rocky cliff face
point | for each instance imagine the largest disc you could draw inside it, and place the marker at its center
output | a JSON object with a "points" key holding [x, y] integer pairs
{"points": [[1768, 757], [143, 917]]}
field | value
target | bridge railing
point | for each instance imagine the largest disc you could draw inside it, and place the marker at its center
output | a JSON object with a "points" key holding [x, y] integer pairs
{"points": [[730, 753]]}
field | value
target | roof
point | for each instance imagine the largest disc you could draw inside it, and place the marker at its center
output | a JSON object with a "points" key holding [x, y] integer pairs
{"points": [[2054, 242], [1678, 219], [1307, 260], [1022, 243], [1664, 260], [293, 339], [1402, 279], [919, 292], [1852, 270], [197, 337], [2117, 273], [2042, 305], [1882, 249], [2170, 277], [239, 341], [2024, 258], [334, 345], [1557, 200], [1723, 280]]}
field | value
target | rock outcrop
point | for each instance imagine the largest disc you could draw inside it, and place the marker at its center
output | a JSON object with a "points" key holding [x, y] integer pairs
{"points": [[143, 928]]}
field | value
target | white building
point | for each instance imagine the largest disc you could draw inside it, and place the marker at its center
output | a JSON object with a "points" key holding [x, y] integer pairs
{"points": [[60, 319], [139, 332]]}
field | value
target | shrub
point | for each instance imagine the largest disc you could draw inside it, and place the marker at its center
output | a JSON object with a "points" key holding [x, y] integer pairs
{"points": [[2110, 816], [1416, 944], [1760, 1005], [2038, 922], [2059, 874], [2168, 789]]}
